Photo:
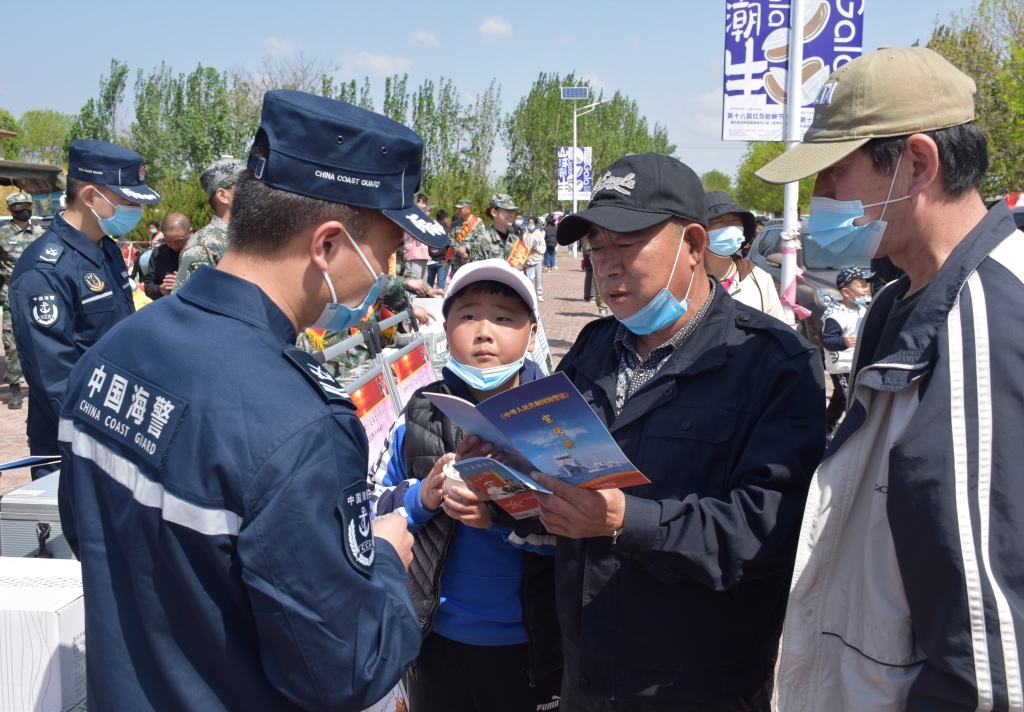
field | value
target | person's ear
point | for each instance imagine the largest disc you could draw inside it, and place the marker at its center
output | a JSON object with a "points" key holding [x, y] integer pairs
{"points": [[533, 338], [326, 244], [696, 238], [922, 155]]}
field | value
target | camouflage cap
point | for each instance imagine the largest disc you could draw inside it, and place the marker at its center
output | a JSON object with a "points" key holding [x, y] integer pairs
{"points": [[464, 203], [221, 174], [18, 197], [503, 201]]}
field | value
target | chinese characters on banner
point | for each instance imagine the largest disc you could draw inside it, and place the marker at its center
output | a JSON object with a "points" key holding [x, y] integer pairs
{"points": [[584, 172], [757, 61], [376, 411]]}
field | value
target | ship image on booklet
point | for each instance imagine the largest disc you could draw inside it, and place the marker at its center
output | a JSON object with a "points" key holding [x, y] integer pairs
{"points": [[542, 426]]}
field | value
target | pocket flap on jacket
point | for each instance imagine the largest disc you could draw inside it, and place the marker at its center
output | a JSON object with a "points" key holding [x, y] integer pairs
{"points": [[710, 425]]}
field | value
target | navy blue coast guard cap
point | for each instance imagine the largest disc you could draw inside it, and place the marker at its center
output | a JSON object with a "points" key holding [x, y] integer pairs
{"points": [[120, 169], [327, 149]]}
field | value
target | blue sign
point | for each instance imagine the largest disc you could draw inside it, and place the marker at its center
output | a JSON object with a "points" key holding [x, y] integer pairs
{"points": [[757, 61], [584, 172]]}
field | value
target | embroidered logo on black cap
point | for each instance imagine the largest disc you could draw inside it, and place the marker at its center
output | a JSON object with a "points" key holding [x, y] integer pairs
{"points": [[619, 185]]}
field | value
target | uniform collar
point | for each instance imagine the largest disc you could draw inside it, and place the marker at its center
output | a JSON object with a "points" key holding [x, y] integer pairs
{"points": [[216, 222], [223, 293], [77, 240]]}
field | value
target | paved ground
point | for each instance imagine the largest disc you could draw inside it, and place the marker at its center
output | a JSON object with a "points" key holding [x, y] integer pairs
{"points": [[563, 312]]}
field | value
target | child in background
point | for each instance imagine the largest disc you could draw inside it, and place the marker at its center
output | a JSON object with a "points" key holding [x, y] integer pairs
{"points": [[482, 583], [839, 337]]}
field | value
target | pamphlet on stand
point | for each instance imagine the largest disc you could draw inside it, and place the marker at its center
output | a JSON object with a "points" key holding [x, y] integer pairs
{"points": [[542, 426]]}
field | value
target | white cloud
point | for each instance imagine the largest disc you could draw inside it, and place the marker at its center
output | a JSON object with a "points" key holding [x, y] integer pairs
{"points": [[426, 38], [597, 85], [381, 65], [278, 47], [495, 27]]}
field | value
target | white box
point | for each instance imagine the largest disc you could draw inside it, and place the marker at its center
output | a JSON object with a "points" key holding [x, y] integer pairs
{"points": [[42, 635]]}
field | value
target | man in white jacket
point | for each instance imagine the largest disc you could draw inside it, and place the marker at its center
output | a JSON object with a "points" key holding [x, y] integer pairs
{"points": [[908, 591]]}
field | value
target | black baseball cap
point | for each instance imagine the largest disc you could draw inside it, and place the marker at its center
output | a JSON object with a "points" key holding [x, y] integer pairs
{"points": [[330, 150], [120, 169], [635, 193], [719, 203]]}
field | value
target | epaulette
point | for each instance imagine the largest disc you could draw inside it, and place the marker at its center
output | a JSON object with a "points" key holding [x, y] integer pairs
{"points": [[330, 390], [51, 253]]}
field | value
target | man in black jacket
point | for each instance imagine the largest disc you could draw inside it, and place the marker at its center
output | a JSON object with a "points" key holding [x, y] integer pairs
{"points": [[163, 265], [671, 595]]}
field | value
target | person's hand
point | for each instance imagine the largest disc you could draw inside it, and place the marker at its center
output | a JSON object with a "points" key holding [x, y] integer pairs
{"points": [[850, 341], [432, 489], [462, 252], [465, 505], [168, 284], [579, 513], [394, 529], [423, 316], [473, 446], [435, 292], [417, 286]]}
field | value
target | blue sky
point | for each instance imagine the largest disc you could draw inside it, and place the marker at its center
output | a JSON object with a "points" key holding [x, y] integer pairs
{"points": [[665, 54]]}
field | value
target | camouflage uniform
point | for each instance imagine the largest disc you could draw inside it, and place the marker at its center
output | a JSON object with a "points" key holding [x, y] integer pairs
{"points": [[207, 246], [492, 244], [479, 233], [13, 241]]}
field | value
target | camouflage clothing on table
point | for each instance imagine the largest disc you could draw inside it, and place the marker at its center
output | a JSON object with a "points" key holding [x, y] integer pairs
{"points": [[478, 232], [13, 241], [206, 247]]}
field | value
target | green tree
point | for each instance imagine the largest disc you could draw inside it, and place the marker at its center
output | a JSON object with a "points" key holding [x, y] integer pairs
{"points": [[716, 180], [100, 118], [396, 98], [43, 134], [11, 146], [984, 42], [755, 194]]}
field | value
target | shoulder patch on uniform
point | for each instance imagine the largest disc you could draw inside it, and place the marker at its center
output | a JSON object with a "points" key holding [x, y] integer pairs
{"points": [[320, 377], [354, 508], [46, 309], [134, 412], [51, 253]]}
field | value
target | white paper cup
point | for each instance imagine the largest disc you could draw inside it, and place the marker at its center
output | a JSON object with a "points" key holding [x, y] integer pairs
{"points": [[452, 477]]}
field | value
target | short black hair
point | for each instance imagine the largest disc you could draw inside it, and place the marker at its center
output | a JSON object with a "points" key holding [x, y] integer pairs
{"points": [[963, 154], [73, 188], [154, 223], [486, 286], [442, 214], [422, 198]]}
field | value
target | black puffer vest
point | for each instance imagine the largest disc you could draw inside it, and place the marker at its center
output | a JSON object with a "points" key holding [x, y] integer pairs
{"points": [[428, 435]]}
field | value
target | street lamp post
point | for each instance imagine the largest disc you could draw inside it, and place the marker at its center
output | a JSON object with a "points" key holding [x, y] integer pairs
{"points": [[574, 94]]}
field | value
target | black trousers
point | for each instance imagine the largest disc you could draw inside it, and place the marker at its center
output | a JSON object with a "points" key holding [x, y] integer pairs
{"points": [[836, 404], [449, 676], [574, 699]]}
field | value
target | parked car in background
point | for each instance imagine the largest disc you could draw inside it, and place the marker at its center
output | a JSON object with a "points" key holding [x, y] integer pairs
{"points": [[816, 288]]}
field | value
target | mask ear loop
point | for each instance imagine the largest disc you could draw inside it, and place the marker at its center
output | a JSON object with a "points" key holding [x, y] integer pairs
{"points": [[891, 186], [676, 264], [334, 296]]}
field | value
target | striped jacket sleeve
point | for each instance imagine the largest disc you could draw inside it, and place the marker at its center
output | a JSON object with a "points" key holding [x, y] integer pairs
{"points": [[956, 509]]}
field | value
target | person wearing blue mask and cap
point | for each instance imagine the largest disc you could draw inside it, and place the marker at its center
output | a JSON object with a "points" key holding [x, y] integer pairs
{"points": [[222, 516], [729, 226], [70, 286], [723, 409]]}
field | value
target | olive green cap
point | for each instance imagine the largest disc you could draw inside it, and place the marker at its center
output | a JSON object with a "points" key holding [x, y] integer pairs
{"points": [[891, 92], [15, 198], [503, 201]]}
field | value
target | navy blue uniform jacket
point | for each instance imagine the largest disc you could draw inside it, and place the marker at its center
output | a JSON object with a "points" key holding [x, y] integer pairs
{"points": [[66, 292], [212, 490]]}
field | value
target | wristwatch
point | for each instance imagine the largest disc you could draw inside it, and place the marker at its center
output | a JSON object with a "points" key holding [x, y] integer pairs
{"points": [[615, 536]]}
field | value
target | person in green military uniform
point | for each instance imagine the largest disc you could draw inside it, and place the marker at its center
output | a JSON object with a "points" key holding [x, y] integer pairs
{"points": [[499, 240], [207, 246], [14, 237], [465, 231]]}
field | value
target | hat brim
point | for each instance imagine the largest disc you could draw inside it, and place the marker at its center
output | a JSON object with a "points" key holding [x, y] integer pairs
{"points": [[420, 225], [493, 270], [806, 159], [136, 193], [611, 217]]}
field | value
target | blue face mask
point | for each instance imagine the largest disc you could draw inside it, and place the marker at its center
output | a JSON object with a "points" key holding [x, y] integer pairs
{"points": [[862, 301], [125, 218], [725, 241], [664, 310], [338, 317], [485, 379], [831, 226]]}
